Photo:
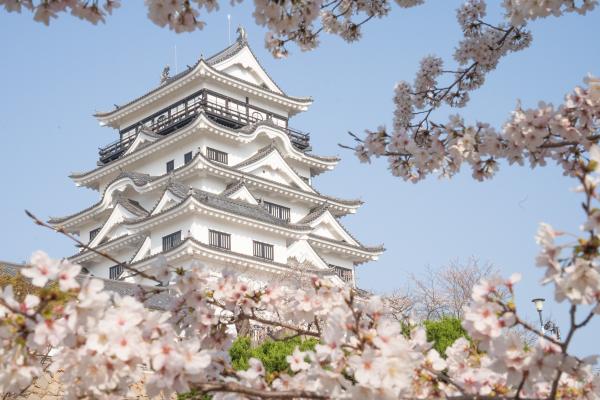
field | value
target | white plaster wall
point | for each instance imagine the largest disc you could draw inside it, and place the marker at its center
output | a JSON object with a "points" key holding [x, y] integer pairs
{"points": [[101, 267], [84, 230], [335, 259], [210, 184], [156, 164], [241, 236], [181, 223]]}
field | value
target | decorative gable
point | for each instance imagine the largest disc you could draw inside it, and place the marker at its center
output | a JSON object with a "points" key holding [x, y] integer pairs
{"points": [[327, 226], [244, 65], [272, 166], [302, 252], [112, 224], [143, 138], [242, 193], [168, 200]]}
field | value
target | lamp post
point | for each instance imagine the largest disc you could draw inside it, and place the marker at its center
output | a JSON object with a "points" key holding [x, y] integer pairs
{"points": [[549, 326], [539, 306]]}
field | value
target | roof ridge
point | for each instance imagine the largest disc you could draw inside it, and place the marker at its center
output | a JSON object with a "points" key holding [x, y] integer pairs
{"points": [[219, 249], [247, 129], [209, 63], [361, 246]]}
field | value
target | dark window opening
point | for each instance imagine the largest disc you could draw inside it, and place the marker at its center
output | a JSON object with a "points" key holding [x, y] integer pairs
{"points": [[263, 250], [216, 155], [278, 211], [187, 158], [170, 241], [344, 273], [94, 233], [219, 239], [170, 166], [115, 272]]}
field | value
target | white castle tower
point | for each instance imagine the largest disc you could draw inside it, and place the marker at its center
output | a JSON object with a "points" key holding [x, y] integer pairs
{"points": [[206, 168]]}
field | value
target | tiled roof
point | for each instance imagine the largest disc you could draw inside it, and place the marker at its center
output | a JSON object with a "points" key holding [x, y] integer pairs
{"points": [[251, 128], [260, 154], [104, 244], [233, 253], [224, 203], [143, 179], [313, 214], [131, 205], [137, 178], [316, 212], [222, 55], [160, 301], [370, 249]]}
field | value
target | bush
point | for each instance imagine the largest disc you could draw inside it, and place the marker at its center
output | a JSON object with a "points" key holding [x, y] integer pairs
{"points": [[443, 332], [22, 286], [272, 353]]}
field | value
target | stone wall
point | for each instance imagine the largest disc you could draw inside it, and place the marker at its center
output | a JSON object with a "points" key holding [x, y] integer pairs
{"points": [[48, 388]]}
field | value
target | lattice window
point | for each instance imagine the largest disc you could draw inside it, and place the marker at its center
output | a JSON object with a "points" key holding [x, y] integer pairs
{"points": [[278, 211], [94, 233], [170, 241], [263, 250], [170, 166], [115, 272], [219, 239], [344, 273], [187, 157], [217, 155]]}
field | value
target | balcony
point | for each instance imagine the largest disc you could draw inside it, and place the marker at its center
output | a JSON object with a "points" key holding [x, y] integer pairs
{"points": [[224, 110]]}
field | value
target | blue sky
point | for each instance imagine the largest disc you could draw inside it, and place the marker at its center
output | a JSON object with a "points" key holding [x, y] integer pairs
{"points": [[53, 79]]}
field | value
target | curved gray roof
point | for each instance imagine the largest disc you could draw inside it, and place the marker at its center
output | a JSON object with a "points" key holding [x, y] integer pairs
{"points": [[222, 55], [223, 203], [160, 301]]}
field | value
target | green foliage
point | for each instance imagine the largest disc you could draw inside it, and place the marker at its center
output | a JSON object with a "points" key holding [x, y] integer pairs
{"points": [[50, 295], [272, 353], [193, 395], [444, 332], [21, 286]]}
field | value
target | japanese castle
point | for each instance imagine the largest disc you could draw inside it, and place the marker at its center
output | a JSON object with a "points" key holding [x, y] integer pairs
{"points": [[207, 168]]}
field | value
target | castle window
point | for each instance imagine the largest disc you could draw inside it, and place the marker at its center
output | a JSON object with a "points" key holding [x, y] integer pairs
{"points": [[115, 272], [216, 155], [187, 157], [263, 250], [344, 273], [278, 211], [94, 233], [170, 241], [170, 166], [219, 239]]}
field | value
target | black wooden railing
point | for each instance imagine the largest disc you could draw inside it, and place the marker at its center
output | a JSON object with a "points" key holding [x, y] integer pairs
{"points": [[344, 273], [115, 272], [217, 155], [170, 241], [221, 109], [278, 211], [219, 239], [263, 250]]}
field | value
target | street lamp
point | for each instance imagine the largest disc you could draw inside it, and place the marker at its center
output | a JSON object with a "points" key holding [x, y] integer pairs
{"points": [[549, 326], [539, 306]]}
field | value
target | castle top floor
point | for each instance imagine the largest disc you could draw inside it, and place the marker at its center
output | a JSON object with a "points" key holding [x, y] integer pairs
{"points": [[234, 75]]}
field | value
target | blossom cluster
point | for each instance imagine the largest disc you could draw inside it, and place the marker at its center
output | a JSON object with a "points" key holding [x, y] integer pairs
{"points": [[547, 133], [102, 343], [44, 11], [519, 11]]}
